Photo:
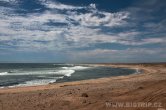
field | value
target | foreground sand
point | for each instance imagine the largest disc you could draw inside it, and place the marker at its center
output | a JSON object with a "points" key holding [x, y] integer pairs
{"points": [[98, 94]]}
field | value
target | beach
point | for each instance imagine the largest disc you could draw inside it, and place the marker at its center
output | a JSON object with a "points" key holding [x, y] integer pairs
{"points": [[139, 91]]}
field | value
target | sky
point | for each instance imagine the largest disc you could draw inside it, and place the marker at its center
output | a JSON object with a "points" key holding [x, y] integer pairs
{"points": [[82, 31]]}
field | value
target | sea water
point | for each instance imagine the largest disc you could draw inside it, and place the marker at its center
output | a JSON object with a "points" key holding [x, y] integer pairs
{"points": [[32, 74]]}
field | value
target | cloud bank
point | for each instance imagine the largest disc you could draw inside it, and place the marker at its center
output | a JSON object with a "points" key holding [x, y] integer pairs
{"points": [[56, 27]]}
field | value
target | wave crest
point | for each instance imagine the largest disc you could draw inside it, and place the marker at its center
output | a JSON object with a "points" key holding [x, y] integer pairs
{"points": [[3, 73], [76, 68]]}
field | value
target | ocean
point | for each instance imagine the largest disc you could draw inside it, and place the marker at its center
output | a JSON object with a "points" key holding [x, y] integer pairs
{"points": [[32, 74]]}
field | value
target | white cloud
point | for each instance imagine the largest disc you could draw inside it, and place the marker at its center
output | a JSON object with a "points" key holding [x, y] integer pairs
{"points": [[10, 1], [84, 36], [109, 19], [144, 41], [155, 40], [110, 55], [32, 27], [92, 5], [24, 31], [91, 19], [57, 5]]}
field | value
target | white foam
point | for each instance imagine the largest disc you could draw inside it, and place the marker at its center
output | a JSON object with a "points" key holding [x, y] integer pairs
{"points": [[36, 82], [76, 68], [65, 72], [58, 72], [65, 67], [3, 73], [137, 71]]}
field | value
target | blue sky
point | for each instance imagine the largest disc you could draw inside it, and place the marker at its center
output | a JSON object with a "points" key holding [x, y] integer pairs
{"points": [[82, 31]]}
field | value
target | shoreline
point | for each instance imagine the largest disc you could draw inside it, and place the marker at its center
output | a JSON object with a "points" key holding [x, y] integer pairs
{"points": [[131, 88], [14, 89]]}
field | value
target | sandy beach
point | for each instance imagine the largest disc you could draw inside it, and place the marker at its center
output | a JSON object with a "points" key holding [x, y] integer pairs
{"points": [[147, 88]]}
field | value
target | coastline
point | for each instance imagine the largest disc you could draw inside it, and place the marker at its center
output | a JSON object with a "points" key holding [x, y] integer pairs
{"points": [[148, 86]]}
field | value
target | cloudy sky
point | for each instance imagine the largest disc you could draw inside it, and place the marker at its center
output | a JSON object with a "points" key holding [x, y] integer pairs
{"points": [[82, 31]]}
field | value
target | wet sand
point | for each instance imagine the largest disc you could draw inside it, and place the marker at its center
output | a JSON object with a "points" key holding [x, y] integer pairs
{"points": [[149, 87]]}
